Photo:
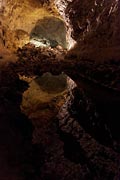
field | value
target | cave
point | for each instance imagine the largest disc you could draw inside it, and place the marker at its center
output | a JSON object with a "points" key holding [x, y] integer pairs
{"points": [[50, 31], [59, 90]]}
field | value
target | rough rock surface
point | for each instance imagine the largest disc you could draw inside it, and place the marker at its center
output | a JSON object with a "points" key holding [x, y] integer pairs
{"points": [[61, 6], [97, 27], [83, 141], [68, 146], [18, 18], [94, 25], [62, 146], [43, 99]]}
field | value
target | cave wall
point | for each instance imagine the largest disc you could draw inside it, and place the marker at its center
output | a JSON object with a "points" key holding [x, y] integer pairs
{"points": [[94, 25], [18, 18], [61, 6], [93, 20]]}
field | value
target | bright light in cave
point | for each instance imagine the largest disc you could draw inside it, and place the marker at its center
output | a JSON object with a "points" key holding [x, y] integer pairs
{"points": [[71, 43], [39, 43], [46, 43]]}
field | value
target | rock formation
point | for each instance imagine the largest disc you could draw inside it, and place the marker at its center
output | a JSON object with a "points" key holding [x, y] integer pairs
{"points": [[57, 131], [95, 27]]}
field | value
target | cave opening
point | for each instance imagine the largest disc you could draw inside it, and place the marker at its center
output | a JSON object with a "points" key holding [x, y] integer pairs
{"points": [[49, 32]]}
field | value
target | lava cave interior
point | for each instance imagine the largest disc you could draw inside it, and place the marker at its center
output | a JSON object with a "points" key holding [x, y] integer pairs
{"points": [[59, 90]]}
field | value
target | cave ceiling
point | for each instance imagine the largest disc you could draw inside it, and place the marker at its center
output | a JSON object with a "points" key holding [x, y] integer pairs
{"points": [[93, 24]]}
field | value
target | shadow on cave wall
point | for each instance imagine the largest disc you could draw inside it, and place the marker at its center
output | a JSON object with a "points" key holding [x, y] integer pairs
{"points": [[50, 31]]}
